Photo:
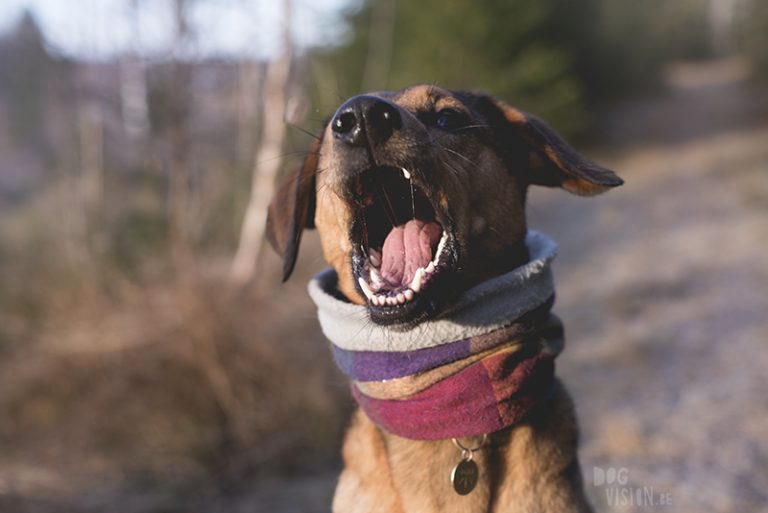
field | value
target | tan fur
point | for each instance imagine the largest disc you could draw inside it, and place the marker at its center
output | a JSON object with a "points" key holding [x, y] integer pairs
{"points": [[531, 467], [331, 220]]}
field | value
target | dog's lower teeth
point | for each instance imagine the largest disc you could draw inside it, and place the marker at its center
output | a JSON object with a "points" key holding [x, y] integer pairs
{"points": [[365, 287], [406, 174], [417, 279], [375, 281], [375, 277]]}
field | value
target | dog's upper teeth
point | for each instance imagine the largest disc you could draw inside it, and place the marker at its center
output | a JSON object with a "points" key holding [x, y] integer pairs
{"points": [[431, 267], [375, 258], [406, 174], [365, 288], [440, 247], [409, 294]]}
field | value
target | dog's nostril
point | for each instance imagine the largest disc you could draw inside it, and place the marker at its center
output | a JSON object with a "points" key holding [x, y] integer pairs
{"points": [[384, 117], [344, 123]]}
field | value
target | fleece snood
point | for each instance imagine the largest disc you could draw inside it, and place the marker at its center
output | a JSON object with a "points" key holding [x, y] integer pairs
{"points": [[477, 368]]}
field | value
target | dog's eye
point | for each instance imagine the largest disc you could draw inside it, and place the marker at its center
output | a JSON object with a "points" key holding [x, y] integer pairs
{"points": [[450, 119]]}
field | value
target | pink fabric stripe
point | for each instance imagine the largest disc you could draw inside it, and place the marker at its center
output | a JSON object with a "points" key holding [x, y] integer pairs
{"points": [[469, 403]]}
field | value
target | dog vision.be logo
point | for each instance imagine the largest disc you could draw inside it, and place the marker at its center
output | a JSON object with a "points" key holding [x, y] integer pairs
{"points": [[619, 491]]}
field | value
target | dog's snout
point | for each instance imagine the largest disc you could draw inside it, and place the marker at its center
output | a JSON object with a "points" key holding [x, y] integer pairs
{"points": [[366, 120]]}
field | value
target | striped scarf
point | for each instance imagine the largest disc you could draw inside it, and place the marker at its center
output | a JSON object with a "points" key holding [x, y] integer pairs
{"points": [[477, 368]]}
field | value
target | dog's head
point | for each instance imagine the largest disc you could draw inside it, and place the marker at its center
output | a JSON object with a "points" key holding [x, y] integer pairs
{"points": [[420, 194]]}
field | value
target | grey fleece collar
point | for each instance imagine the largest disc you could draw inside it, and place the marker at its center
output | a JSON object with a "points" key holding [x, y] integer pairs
{"points": [[483, 308]]}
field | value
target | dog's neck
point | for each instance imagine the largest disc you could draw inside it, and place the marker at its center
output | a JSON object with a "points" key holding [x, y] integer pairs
{"points": [[499, 332]]}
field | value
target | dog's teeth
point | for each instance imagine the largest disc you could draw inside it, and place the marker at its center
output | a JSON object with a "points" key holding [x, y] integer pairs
{"points": [[417, 278], [440, 247], [406, 174], [401, 298], [375, 258], [431, 267], [409, 294], [375, 277], [391, 301], [366, 288], [381, 300]]}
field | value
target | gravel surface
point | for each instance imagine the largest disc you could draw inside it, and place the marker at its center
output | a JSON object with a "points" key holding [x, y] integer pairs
{"points": [[663, 288]]}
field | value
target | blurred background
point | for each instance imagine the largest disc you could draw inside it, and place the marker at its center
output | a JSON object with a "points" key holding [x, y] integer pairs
{"points": [[150, 360]]}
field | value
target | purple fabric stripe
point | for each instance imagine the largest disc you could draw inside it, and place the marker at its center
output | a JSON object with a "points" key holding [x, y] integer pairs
{"points": [[377, 366], [380, 365]]}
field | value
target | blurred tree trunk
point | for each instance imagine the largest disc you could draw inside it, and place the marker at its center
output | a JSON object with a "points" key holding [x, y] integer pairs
{"points": [[721, 15], [249, 110], [267, 160], [133, 86], [179, 173], [90, 183], [380, 43], [91, 156], [133, 96]]}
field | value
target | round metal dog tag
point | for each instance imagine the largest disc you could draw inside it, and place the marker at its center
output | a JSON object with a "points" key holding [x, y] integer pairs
{"points": [[464, 477]]}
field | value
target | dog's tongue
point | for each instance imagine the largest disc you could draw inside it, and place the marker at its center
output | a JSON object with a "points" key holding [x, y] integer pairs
{"points": [[408, 247]]}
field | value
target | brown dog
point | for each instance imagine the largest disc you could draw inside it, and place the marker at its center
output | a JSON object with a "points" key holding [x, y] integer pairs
{"points": [[418, 196]]}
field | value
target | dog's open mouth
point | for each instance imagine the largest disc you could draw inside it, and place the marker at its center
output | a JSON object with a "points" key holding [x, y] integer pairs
{"points": [[403, 244]]}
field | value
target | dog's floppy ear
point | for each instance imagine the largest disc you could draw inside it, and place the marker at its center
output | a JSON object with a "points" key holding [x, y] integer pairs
{"points": [[552, 161], [292, 209]]}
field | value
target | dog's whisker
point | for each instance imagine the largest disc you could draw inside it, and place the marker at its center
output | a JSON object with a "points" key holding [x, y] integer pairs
{"points": [[459, 155], [413, 201], [390, 210], [282, 156], [444, 148], [305, 131], [309, 177], [449, 166], [468, 127]]}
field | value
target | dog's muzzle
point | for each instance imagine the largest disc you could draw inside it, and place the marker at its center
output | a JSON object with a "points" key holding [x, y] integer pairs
{"points": [[366, 121]]}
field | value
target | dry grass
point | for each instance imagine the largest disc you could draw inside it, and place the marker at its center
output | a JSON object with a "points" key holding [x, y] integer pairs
{"points": [[177, 388]]}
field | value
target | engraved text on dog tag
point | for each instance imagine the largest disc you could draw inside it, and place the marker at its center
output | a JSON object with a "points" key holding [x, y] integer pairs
{"points": [[464, 476]]}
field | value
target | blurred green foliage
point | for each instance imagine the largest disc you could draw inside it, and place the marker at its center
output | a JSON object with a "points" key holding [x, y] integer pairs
{"points": [[557, 58], [752, 36]]}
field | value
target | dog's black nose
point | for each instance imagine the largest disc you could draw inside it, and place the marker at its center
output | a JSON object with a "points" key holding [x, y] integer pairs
{"points": [[366, 120]]}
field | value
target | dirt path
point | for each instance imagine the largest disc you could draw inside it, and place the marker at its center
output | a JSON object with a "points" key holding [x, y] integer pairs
{"points": [[663, 287]]}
